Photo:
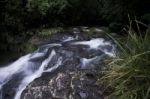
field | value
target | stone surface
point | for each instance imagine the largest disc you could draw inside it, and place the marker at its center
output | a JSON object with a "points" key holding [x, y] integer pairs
{"points": [[68, 85]]}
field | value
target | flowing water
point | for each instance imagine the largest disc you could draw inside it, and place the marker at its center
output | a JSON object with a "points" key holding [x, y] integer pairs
{"points": [[65, 52]]}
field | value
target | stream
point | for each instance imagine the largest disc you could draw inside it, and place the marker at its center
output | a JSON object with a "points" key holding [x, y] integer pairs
{"points": [[63, 52]]}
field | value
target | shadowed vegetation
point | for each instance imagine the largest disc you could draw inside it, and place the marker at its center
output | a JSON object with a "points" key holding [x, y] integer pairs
{"points": [[17, 17]]}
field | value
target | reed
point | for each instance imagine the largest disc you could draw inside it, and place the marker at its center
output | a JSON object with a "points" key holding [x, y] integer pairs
{"points": [[128, 74]]}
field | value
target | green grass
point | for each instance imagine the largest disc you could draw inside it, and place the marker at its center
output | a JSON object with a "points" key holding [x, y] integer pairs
{"points": [[48, 32], [129, 73]]}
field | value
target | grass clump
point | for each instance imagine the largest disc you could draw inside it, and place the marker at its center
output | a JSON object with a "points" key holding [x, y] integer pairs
{"points": [[129, 73], [48, 32]]}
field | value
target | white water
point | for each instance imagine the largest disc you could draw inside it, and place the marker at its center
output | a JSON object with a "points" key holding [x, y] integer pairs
{"points": [[31, 77], [7, 72], [31, 70], [68, 39], [98, 44], [88, 63]]}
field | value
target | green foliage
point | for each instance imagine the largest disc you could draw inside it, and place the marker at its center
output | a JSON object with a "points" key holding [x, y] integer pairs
{"points": [[146, 17], [38, 5], [83, 12], [46, 6], [117, 11], [128, 74], [45, 12], [48, 32], [113, 10], [28, 47], [19, 16]]}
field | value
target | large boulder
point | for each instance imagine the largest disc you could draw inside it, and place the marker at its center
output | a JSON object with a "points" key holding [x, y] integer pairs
{"points": [[68, 85]]}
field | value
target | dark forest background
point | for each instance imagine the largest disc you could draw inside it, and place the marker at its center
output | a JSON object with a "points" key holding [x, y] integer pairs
{"points": [[17, 17]]}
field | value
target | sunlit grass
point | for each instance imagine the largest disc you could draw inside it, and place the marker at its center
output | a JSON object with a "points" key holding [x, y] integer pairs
{"points": [[48, 32]]}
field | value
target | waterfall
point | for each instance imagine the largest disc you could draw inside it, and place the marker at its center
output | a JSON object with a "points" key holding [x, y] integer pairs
{"points": [[69, 53]]}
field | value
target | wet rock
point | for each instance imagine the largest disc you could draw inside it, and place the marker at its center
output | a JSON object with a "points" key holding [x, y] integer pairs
{"points": [[68, 85], [60, 86]]}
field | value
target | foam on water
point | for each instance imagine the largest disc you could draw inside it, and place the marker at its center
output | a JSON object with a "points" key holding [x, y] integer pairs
{"points": [[68, 39], [98, 44], [87, 62], [93, 44]]}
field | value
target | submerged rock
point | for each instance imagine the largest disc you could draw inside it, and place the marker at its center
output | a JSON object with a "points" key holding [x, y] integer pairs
{"points": [[68, 85]]}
